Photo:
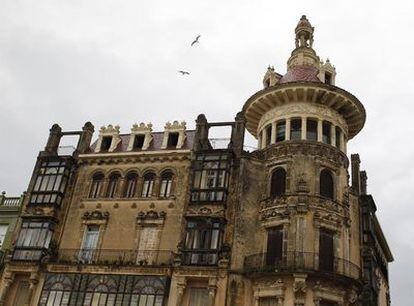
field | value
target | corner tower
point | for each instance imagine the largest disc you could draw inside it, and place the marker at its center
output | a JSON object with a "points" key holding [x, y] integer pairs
{"points": [[305, 249]]}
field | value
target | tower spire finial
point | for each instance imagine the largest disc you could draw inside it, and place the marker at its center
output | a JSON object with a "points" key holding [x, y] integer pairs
{"points": [[304, 33]]}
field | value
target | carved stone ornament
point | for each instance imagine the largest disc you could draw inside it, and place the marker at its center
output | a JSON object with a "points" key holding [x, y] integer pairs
{"points": [[96, 215], [151, 215]]}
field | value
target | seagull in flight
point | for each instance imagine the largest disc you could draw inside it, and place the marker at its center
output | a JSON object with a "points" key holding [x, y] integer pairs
{"points": [[195, 41], [184, 72]]}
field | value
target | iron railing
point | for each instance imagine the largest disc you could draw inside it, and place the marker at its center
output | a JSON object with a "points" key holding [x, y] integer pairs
{"points": [[114, 257], [300, 262]]}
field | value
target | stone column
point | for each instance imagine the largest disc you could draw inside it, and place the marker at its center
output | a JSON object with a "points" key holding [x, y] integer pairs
{"points": [[212, 290], [5, 286], [287, 132], [33, 281], [264, 138], [273, 139], [333, 135], [304, 129], [320, 130], [120, 188], [181, 284]]}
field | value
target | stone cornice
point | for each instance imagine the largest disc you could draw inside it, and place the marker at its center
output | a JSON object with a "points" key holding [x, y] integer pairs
{"points": [[346, 104]]}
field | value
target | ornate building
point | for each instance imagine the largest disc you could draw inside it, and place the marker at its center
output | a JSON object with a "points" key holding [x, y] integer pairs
{"points": [[166, 218]]}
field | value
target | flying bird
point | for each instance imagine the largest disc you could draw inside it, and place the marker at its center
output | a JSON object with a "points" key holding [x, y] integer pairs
{"points": [[184, 72], [195, 41]]}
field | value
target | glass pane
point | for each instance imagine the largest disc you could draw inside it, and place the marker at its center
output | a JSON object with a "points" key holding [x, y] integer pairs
{"points": [[296, 129], [280, 131], [312, 130]]}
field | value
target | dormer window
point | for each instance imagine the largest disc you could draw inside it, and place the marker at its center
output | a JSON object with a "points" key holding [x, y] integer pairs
{"points": [[328, 78], [139, 142], [106, 143], [172, 140]]}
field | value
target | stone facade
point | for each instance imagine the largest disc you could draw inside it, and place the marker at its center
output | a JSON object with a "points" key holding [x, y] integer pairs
{"points": [[166, 219]]}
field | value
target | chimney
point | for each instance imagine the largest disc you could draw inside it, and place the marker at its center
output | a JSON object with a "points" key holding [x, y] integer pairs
{"points": [[355, 162], [363, 177], [54, 139], [85, 138], [201, 135], [237, 134]]}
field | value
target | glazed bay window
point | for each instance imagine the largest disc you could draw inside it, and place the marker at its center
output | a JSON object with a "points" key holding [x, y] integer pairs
{"points": [[50, 183], [203, 241], [34, 239], [211, 175]]}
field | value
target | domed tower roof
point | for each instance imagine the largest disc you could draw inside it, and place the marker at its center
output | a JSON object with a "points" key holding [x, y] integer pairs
{"points": [[307, 80]]}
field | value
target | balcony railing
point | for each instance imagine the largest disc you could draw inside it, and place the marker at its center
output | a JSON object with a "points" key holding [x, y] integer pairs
{"points": [[114, 257], [28, 253], [199, 257], [11, 202], [300, 262]]}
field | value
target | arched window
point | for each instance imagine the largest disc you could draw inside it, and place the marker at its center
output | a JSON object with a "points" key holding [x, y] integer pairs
{"points": [[113, 184], [278, 183], [96, 187], [326, 184], [130, 185], [166, 182], [148, 185]]}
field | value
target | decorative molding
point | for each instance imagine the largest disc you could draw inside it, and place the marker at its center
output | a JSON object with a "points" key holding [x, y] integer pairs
{"points": [[174, 127], [112, 131], [151, 218], [95, 217], [141, 129]]}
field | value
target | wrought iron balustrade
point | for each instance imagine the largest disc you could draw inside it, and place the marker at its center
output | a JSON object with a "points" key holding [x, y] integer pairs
{"points": [[114, 257], [307, 262]]}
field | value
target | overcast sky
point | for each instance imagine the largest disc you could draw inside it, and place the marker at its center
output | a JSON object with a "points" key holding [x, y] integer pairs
{"points": [[116, 62]]}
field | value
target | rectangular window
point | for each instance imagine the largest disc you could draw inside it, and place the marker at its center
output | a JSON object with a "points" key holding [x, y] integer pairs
{"points": [[281, 131], [3, 232], [268, 134], [274, 246], [139, 142], [326, 132], [34, 238], [211, 175], [106, 143], [328, 78], [90, 242], [149, 240], [172, 140], [198, 297], [326, 250], [338, 134], [203, 241], [50, 184], [296, 129], [311, 130]]}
